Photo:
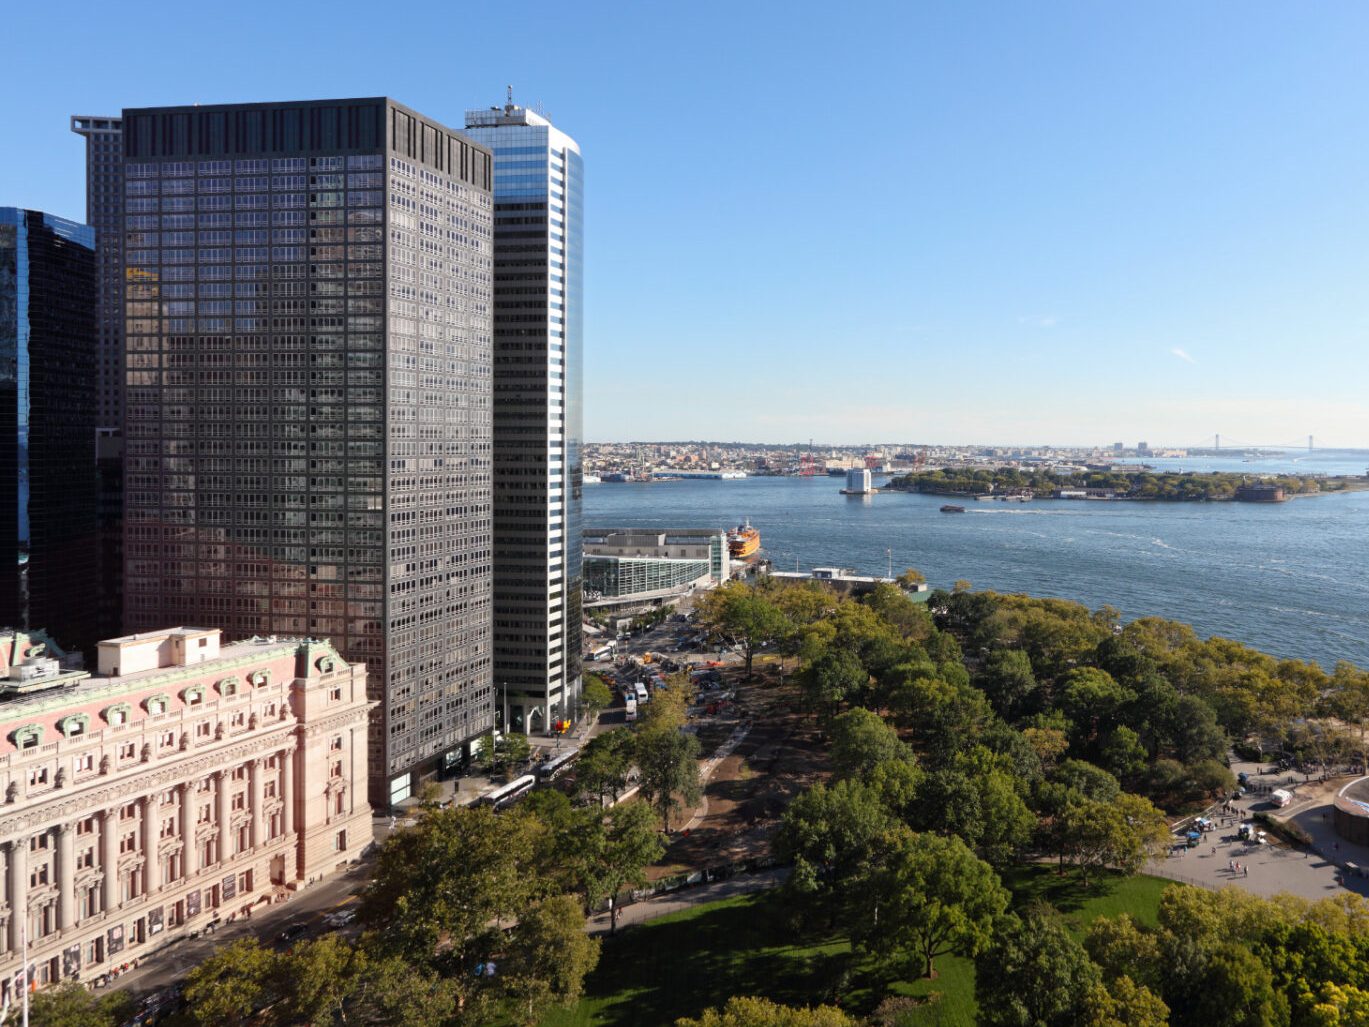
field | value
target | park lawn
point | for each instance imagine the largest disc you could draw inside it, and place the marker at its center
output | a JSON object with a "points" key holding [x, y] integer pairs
{"points": [[684, 963]]}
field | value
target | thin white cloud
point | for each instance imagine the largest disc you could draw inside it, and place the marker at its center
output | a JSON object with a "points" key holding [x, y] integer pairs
{"points": [[1039, 320], [1183, 355]]}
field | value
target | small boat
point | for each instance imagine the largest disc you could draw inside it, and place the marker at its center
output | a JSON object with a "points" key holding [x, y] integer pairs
{"points": [[952, 508]]}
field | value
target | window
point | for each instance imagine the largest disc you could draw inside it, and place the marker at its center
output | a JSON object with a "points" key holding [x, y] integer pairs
{"points": [[74, 725], [118, 714], [193, 696], [336, 769], [339, 804], [84, 763], [168, 739], [38, 776], [228, 687], [335, 745], [204, 729], [128, 750], [28, 737], [335, 694], [341, 843], [158, 704]]}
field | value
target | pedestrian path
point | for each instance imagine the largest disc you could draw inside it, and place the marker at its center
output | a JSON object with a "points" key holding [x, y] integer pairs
{"points": [[710, 765], [672, 902]]}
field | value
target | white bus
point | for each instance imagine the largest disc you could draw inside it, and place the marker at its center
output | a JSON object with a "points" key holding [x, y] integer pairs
{"points": [[642, 694], [604, 652], [554, 766], [506, 796]]}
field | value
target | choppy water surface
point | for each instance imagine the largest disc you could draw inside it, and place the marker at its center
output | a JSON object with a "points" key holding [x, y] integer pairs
{"points": [[1291, 579]]}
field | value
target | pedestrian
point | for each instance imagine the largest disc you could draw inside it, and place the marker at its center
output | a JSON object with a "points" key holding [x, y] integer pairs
{"points": [[1245, 871], [1214, 850]]}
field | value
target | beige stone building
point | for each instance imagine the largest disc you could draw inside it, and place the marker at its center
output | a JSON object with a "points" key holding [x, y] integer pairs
{"points": [[182, 783]]}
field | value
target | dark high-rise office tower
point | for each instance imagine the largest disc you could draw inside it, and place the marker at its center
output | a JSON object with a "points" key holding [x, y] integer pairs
{"points": [[307, 427], [47, 425], [105, 213], [538, 474]]}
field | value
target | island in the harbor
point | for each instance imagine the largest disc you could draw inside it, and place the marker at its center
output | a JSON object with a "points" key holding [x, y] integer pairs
{"points": [[1018, 484]]}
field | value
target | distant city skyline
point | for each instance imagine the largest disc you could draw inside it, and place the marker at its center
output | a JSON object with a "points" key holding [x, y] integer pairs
{"points": [[968, 223]]}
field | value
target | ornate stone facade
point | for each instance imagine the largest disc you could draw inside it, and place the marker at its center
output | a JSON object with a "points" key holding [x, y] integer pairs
{"points": [[201, 781]]}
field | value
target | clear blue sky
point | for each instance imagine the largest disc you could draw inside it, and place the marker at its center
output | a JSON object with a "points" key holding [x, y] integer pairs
{"points": [[944, 222]]}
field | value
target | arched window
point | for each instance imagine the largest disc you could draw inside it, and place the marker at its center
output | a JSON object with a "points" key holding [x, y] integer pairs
{"points": [[74, 726], [157, 704], [117, 714]]}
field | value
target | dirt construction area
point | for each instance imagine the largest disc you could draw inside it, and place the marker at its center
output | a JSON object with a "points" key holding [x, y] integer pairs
{"points": [[771, 751]]}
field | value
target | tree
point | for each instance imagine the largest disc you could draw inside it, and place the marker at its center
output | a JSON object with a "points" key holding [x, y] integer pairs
{"points": [[976, 799], [930, 896], [668, 709], [319, 978], [1009, 682], [1034, 974], [743, 616], [828, 680], [830, 833], [495, 757], [1124, 1003], [232, 984], [668, 762], [396, 993], [441, 886], [746, 1011], [861, 740], [548, 958], [1121, 948], [595, 696], [72, 1005], [1123, 833], [604, 764], [627, 845]]}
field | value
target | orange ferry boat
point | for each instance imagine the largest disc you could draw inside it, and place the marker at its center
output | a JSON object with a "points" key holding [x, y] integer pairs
{"points": [[743, 541]]}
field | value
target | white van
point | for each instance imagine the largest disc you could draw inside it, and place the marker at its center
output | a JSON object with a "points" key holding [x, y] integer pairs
{"points": [[630, 710], [642, 694]]}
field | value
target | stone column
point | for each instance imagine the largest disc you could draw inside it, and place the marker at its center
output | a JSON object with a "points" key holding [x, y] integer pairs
{"points": [[287, 787], [190, 853], [225, 815], [18, 892], [152, 875], [255, 800], [66, 877], [109, 859]]}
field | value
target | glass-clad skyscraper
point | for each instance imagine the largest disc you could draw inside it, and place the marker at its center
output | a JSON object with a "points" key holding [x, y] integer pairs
{"points": [[105, 213], [308, 434], [538, 475], [47, 425]]}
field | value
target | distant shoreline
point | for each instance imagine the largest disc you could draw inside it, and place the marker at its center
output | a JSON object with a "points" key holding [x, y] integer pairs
{"points": [[1172, 486]]}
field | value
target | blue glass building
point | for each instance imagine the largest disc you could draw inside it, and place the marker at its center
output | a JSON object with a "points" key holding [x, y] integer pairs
{"points": [[538, 472], [47, 425]]}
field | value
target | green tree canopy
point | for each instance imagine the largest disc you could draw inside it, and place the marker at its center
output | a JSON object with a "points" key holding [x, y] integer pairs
{"points": [[930, 896], [860, 740], [1034, 974]]}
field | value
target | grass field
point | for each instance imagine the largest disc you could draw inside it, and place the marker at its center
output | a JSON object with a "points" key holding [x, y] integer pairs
{"points": [[684, 963]]}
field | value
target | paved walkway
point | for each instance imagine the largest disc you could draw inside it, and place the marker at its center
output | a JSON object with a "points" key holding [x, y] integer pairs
{"points": [[1312, 873], [663, 905]]}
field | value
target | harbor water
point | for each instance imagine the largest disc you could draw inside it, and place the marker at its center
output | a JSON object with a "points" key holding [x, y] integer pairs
{"points": [[1290, 578]]}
